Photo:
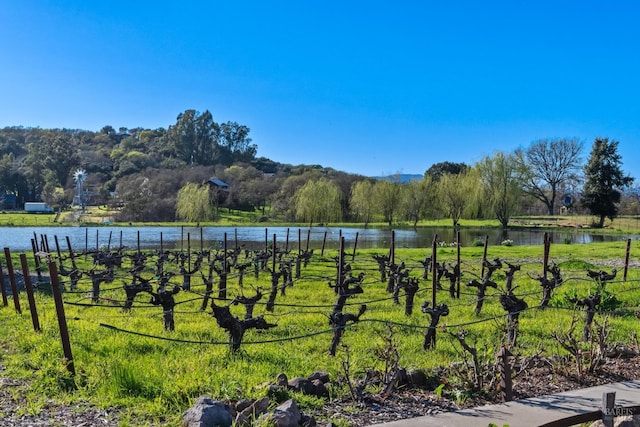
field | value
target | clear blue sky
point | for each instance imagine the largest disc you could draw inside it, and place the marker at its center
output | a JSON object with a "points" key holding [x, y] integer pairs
{"points": [[366, 87]]}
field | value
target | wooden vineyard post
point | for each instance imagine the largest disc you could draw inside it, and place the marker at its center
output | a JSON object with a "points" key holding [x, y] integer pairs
{"points": [[73, 262], [12, 280], [434, 273], [5, 302], [222, 291], [55, 239], [298, 258], [308, 238], [36, 258], [34, 245], [626, 260], [458, 264], [235, 237], [355, 246], [286, 241], [484, 254], [340, 278], [62, 320], [266, 239], [504, 369], [324, 242], [392, 248], [29, 287], [273, 264], [545, 262], [46, 243]]}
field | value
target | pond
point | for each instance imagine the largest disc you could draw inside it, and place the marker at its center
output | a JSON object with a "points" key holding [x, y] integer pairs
{"points": [[90, 238]]}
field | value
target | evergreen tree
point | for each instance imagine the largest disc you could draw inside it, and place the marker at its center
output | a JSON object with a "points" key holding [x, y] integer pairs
{"points": [[603, 178]]}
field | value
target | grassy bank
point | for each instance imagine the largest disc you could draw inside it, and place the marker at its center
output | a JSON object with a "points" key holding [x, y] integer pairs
{"points": [[102, 216], [154, 376]]}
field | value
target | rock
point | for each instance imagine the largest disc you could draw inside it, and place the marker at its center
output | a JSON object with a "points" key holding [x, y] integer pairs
{"points": [[257, 408], [319, 375], [314, 387], [417, 378], [287, 414], [320, 388], [282, 380], [308, 421], [301, 385], [207, 412], [249, 414], [241, 405]]}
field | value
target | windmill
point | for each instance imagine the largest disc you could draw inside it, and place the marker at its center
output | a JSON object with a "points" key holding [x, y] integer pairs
{"points": [[79, 176]]}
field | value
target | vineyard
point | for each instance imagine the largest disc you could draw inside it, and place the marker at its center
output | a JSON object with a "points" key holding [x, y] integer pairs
{"points": [[150, 331]]}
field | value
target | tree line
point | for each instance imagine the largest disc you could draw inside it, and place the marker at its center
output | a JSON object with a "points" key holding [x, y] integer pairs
{"points": [[162, 174]]}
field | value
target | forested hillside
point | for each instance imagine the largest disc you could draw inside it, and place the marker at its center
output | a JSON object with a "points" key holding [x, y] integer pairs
{"points": [[164, 174], [142, 170]]}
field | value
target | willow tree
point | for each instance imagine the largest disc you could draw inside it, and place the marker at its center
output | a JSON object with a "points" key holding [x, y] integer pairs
{"points": [[318, 201], [458, 194], [362, 201], [417, 198], [193, 203], [387, 195], [501, 178]]}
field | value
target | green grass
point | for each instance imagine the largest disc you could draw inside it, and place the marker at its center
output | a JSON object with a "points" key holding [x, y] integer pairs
{"points": [[101, 215], [154, 380]]}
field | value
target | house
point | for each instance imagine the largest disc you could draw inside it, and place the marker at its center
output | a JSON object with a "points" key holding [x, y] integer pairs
{"points": [[219, 190], [216, 184]]}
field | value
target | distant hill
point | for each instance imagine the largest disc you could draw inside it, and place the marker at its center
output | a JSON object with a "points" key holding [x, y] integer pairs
{"points": [[401, 177]]}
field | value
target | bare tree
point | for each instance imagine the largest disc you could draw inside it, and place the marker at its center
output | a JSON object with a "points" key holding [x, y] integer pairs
{"points": [[550, 163]]}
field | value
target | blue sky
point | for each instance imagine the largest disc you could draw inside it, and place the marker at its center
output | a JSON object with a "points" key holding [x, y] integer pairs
{"points": [[366, 87]]}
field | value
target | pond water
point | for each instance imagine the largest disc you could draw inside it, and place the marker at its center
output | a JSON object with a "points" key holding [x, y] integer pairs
{"points": [[90, 238]]}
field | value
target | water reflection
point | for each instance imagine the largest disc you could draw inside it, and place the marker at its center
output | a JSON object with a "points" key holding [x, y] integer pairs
{"points": [[90, 238]]}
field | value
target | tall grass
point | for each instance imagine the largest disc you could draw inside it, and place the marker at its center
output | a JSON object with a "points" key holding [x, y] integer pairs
{"points": [[155, 379]]}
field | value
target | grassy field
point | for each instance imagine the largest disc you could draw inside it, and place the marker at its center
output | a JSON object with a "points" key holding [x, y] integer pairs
{"points": [[155, 376]]}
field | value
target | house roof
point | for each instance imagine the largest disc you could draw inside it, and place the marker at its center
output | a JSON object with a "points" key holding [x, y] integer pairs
{"points": [[218, 183]]}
